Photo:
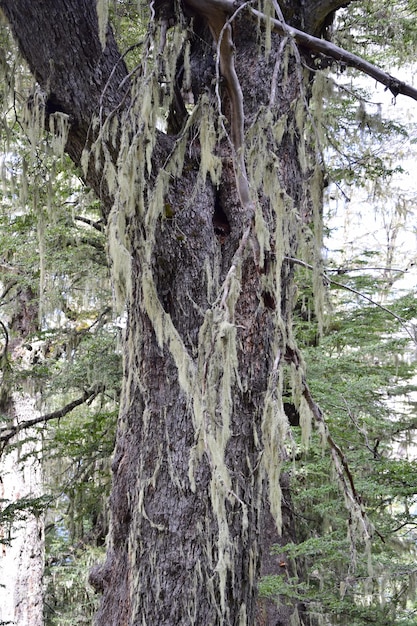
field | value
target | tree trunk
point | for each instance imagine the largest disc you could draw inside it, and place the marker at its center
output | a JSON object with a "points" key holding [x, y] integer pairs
{"points": [[22, 550], [201, 232]]}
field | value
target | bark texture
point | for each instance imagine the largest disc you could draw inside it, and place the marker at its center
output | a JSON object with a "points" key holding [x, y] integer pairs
{"points": [[22, 550], [196, 496]]}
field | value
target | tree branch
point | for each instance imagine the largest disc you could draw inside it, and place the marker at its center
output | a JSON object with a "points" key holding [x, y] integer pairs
{"points": [[218, 9], [8, 432], [209, 8], [340, 461], [328, 49], [411, 333], [98, 225]]}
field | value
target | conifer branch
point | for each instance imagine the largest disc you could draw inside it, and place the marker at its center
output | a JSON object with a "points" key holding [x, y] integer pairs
{"points": [[9, 431], [411, 333], [340, 461]]}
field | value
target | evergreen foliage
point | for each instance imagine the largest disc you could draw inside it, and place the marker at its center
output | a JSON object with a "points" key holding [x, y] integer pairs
{"points": [[56, 308]]}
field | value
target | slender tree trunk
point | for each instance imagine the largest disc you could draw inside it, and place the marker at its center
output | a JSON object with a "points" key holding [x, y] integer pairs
{"points": [[201, 230], [22, 553]]}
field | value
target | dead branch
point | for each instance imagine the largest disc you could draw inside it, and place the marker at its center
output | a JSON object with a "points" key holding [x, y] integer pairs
{"points": [[210, 8], [328, 49]]}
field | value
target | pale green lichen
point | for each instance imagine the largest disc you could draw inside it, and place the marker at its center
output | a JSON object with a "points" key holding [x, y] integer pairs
{"points": [[210, 381], [274, 433], [210, 163], [59, 127], [119, 253], [103, 17]]}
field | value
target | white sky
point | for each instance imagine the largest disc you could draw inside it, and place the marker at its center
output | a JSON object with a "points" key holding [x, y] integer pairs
{"points": [[360, 223]]}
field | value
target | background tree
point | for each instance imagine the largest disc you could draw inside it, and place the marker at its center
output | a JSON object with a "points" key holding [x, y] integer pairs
{"points": [[60, 366], [205, 219]]}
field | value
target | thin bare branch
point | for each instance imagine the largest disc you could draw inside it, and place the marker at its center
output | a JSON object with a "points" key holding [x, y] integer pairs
{"points": [[335, 283], [9, 431]]}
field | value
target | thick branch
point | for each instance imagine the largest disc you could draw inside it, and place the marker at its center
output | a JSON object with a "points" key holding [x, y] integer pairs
{"points": [[352, 60], [217, 9], [98, 225], [8, 432]]}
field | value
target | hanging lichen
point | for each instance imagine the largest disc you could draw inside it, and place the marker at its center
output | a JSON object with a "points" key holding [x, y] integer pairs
{"points": [[103, 17], [208, 373], [209, 138]]}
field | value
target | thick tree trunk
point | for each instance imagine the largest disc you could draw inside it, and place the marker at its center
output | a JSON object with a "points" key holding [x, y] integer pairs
{"points": [[210, 293], [200, 440]]}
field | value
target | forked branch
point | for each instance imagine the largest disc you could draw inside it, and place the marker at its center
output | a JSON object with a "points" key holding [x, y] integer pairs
{"points": [[223, 9]]}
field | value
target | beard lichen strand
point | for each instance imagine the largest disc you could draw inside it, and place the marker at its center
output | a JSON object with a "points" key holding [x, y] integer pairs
{"points": [[133, 167], [59, 128], [33, 119], [209, 385], [275, 428], [297, 378], [103, 17], [135, 162], [167, 334], [118, 249], [320, 288], [210, 163], [263, 167]]}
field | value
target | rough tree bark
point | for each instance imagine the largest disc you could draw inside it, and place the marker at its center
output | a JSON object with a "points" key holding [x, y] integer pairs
{"points": [[22, 557], [201, 240]]}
